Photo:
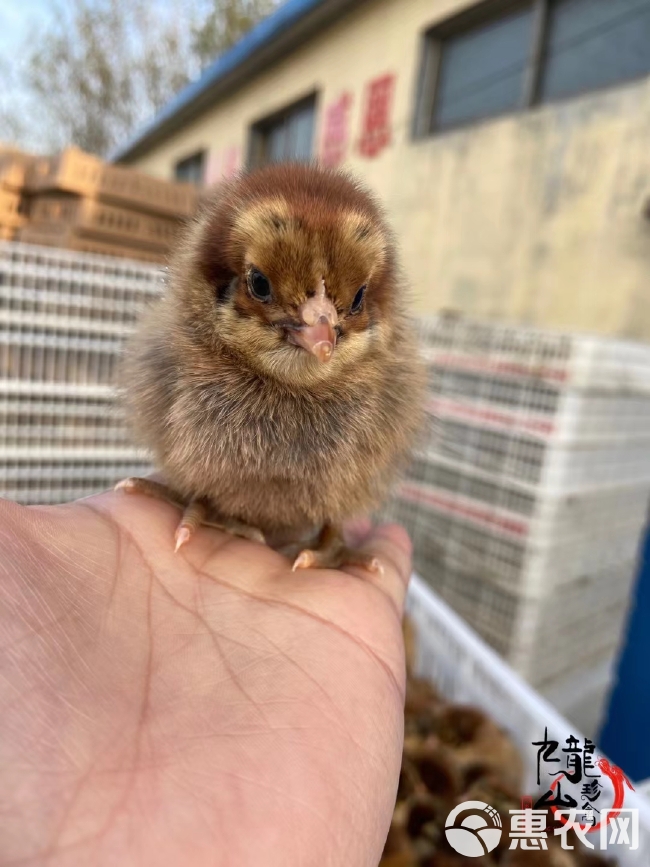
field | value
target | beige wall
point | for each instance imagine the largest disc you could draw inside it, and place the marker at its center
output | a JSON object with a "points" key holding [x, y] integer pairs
{"points": [[535, 217]]}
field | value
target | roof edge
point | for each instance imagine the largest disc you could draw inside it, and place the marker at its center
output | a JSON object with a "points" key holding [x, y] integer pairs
{"points": [[284, 30]]}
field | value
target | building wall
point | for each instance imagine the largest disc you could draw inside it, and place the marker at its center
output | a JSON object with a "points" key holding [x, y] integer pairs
{"points": [[535, 217]]}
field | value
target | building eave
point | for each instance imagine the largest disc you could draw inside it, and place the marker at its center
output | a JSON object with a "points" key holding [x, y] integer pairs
{"points": [[272, 39]]}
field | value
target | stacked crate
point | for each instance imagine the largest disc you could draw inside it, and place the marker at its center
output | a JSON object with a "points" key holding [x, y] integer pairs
{"points": [[63, 320], [528, 497], [78, 202], [14, 167]]}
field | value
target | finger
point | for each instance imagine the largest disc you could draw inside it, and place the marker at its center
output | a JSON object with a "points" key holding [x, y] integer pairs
{"points": [[391, 546]]}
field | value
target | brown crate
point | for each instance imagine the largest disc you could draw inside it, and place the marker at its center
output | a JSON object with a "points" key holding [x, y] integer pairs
{"points": [[50, 236], [103, 221], [7, 149], [13, 170], [10, 214], [74, 171]]}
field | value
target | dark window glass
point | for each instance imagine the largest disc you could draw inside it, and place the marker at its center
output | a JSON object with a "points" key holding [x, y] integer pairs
{"points": [[286, 137], [481, 72], [191, 169], [594, 43]]}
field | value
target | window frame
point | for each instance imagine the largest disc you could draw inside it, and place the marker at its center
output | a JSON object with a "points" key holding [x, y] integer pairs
{"points": [[200, 154], [259, 129], [431, 47]]}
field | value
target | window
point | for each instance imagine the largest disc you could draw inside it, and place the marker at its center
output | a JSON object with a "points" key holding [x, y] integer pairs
{"points": [[191, 169], [481, 72], [594, 43], [285, 136], [502, 55]]}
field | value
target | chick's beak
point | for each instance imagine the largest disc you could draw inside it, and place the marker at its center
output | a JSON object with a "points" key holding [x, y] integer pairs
{"points": [[317, 332]]}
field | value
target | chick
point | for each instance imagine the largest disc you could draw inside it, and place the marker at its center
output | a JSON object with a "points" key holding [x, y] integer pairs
{"points": [[479, 746], [278, 382]]}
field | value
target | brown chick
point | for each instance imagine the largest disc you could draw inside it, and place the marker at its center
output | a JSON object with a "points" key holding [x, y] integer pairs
{"points": [[479, 746], [278, 382]]}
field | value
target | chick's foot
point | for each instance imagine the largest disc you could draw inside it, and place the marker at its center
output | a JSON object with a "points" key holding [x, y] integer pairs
{"points": [[333, 553], [152, 489], [197, 513]]}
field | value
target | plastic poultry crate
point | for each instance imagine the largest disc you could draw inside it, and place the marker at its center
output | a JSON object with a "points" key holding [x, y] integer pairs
{"points": [[536, 410], [69, 292], [542, 639], [532, 480], [556, 510], [557, 461], [466, 670], [511, 550], [509, 355], [63, 321]]}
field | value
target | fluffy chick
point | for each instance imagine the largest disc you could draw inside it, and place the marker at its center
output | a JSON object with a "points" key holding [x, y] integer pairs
{"points": [[277, 382]]}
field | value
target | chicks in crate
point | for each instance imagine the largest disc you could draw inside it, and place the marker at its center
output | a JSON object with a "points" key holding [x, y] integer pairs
{"points": [[277, 382], [452, 754]]}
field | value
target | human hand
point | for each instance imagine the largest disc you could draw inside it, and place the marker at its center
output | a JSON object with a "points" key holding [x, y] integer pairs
{"points": [[210, 707]]}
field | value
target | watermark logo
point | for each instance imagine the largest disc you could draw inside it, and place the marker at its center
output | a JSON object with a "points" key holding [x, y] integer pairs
{"points": [[473, 828], [582, 793], [577, 768]]}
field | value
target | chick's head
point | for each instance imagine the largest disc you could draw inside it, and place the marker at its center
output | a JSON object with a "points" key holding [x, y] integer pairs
{"points": [[294, 272]]}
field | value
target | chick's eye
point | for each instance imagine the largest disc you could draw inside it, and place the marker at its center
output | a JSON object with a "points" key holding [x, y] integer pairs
{"points": [[259, 285], [358, 300]]}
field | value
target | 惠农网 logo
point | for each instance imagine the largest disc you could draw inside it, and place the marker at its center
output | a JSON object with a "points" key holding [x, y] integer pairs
{"points": [[473, 828]]}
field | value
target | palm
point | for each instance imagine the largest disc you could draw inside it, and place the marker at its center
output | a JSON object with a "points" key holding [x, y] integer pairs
{"points": [[205, 708]]}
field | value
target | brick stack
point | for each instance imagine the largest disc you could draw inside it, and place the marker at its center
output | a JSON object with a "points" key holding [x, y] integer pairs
{"points": [[14, 166], [78, 202]]}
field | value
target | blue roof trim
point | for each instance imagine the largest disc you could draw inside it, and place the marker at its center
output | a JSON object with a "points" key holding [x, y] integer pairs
{"points": [[263, 33]]}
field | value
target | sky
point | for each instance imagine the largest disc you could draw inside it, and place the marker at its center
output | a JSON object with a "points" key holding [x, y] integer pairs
{"points": [[18, 18]]}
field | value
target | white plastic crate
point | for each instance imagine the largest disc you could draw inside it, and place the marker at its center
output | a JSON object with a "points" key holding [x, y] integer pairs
{"points": [[555, 511], [582, 696], [531, 481], [510, 550], [64, 317], [514, 352], [47, 281], [466, 670], [530, 408], [549, 463], [559, 411], [541, 639]]}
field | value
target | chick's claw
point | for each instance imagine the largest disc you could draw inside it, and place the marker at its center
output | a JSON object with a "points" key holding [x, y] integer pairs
{"points": [[320, 559], [151, 489], [193, 516], [333, 553], [197, 513], [191, 521]]}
